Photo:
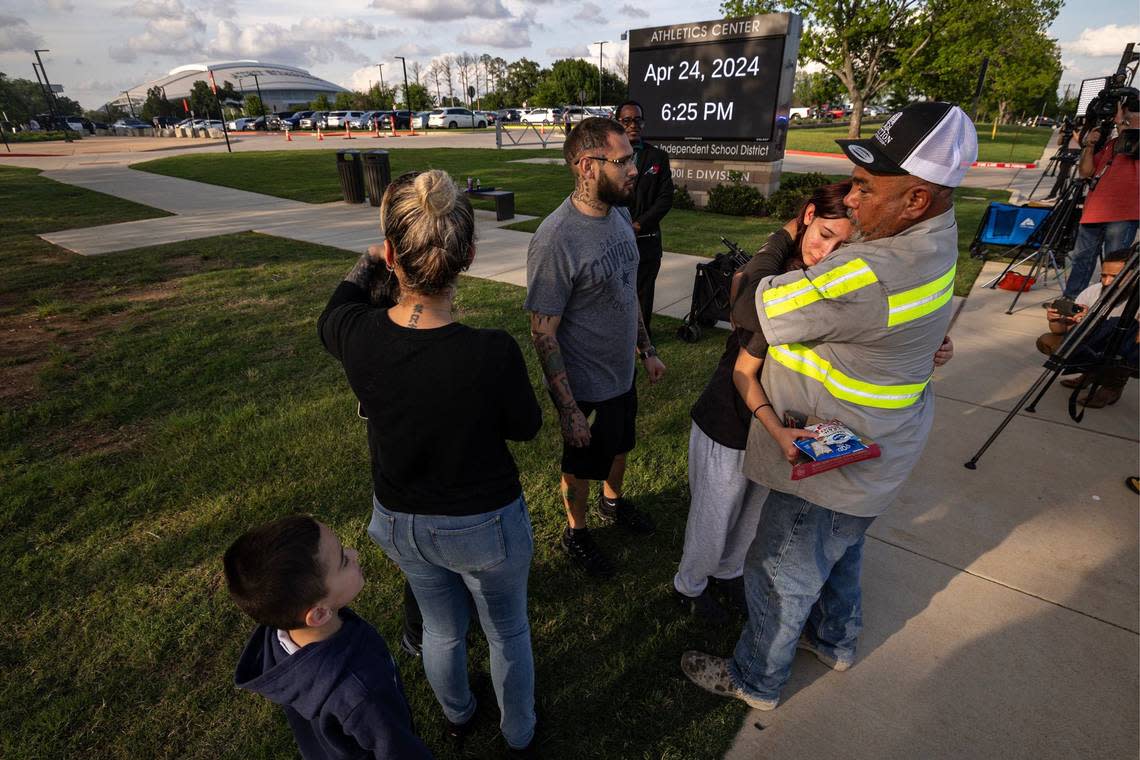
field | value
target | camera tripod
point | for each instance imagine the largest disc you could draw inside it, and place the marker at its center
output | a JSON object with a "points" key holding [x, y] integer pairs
{"points": [[1060, 164], [1055, 236], [1075, 352]]}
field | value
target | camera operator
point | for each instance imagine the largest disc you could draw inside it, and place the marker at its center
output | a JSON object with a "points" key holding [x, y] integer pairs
{"points": [[1112, 208], [1065, 314]]}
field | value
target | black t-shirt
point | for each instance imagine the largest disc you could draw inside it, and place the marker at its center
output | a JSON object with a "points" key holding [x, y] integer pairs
{"points": [[720, 412], [441, 404]]}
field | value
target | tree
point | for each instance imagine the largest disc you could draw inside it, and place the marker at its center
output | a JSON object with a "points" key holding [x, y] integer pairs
{"points": [[417, 70], [1012, 34], [202, 101], [419, 99], [155, 104], [344, 101], [448, 77], [23, 99], [521, 82], [816, 89], [321, 103], [569, 77], [253, 107], [865, 44]]}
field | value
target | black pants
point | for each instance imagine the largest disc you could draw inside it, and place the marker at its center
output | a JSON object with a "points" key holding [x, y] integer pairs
{"points": [[647, 268]]}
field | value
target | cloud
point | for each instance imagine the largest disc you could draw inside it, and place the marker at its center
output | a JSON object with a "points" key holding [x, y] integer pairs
{"points": [[62, 6], [15, 34], [1103, 42], [568, 52], [633, 12], [590, 13], [505, 33], [444, 10], [307, 42], [414, 50], [171, 29]]}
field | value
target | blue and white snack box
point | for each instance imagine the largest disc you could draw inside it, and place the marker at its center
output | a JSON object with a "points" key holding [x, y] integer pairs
{"points": [[832, 439]]}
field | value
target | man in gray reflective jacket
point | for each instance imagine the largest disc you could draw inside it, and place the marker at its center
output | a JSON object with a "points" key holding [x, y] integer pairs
{"points": [[852, 339]]}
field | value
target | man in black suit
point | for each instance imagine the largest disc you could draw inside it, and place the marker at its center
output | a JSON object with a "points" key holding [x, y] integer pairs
{"points": [[652, 199]]}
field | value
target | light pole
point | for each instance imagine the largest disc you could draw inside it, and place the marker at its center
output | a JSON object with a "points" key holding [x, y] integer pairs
{"points": [[601, 46], [381, 67], [51, 95], [407, 98]]}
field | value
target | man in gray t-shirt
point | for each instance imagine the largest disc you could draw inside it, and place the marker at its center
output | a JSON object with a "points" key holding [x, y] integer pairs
{"points": [[586, 327]]}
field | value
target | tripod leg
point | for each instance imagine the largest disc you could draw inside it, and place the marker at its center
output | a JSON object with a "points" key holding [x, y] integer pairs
{"points": [[1032, 408], [973, 463], [1033, 270]]}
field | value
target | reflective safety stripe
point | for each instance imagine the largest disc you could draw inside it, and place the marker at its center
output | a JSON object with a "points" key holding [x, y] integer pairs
{"points": [[801, 359], [843, 279], [918, 302]]}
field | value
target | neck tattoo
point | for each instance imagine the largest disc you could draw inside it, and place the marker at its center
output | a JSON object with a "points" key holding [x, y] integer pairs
{"points": [[581, 195], [417, 310]]}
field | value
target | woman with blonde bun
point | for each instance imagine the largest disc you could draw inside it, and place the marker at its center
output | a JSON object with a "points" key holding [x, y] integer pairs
{"points": [[442, 400]]}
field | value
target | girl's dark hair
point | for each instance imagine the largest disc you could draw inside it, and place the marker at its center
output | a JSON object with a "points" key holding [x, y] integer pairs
{"points": [[432, 227], [273, 572], [828, 202]]}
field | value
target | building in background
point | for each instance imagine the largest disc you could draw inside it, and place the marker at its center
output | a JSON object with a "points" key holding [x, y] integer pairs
{"points": [[283, 88]]}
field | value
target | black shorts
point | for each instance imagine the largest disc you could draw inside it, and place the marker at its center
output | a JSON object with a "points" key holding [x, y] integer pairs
{"points": [[611, 433]]}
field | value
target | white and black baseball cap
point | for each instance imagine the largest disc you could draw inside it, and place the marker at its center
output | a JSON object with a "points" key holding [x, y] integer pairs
{"points": [[933, 141]]}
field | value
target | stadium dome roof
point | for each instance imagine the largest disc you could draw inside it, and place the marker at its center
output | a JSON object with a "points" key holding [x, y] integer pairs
{"points": [[281, 85]]}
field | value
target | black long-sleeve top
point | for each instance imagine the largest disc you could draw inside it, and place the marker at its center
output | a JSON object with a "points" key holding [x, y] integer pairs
{"points": [[441, 404]]}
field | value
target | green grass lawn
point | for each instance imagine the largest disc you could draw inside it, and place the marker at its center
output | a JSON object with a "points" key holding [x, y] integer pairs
{"points": [[1016, 144], [157, 402], [309, 176]]}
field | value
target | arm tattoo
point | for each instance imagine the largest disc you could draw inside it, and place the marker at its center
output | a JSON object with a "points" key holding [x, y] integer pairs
{"points": [[362, 272], [550, 356]]}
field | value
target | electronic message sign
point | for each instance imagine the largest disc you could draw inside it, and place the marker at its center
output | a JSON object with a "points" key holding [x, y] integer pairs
{"points": [[716, 90]]}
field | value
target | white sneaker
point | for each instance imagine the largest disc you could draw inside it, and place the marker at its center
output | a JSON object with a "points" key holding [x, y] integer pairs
{"points": [[831, 662]]}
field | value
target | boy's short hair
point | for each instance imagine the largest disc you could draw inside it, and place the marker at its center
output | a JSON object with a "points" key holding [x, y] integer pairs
{"points": [[274, 573], [1120, 254], [593, 132]]}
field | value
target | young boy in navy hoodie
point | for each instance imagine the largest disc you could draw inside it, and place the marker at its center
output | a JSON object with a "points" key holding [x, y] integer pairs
{"points": [[329, 670]]}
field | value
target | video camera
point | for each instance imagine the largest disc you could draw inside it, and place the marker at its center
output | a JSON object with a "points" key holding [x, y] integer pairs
{"points": [[1066, 307], [1117, 89]]}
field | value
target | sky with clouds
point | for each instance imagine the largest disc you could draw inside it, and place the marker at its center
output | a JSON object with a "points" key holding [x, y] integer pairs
{"points": [[100, 47]]}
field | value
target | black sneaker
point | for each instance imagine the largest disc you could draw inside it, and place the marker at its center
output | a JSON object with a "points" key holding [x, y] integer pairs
{"points": [[529, 752], [457, 733], [732, 593], [622, 513], [703, 607], [585, 554]]}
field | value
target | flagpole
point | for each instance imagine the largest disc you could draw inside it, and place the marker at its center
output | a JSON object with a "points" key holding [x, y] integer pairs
{"points": [[214, 88]]}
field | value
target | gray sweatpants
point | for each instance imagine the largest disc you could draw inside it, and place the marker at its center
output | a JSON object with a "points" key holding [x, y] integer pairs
{"points": [[723, 515]]}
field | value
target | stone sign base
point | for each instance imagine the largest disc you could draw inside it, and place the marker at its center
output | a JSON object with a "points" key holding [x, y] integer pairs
{"points": [[698, 177]]}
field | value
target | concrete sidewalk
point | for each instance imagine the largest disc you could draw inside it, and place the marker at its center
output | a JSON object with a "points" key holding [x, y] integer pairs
{"points": [[1000, 604]]}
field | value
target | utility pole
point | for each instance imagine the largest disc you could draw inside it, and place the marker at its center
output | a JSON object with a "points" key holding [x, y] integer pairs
{"points": [[51, 95], [601, 46], [260, 100], [407, 98], [381, 67]]}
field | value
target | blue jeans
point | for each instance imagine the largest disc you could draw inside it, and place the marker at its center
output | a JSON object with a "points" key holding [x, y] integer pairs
{"points": [[803, 568], [1091, 239], [443, 558]]}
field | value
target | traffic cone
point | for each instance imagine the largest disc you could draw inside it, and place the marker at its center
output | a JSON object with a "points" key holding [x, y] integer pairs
{"points": [[320, 137], [288, 135], [376, 128], [392, 122]]}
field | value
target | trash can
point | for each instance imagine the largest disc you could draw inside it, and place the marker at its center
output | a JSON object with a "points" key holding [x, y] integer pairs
{"points": [[377, 174], [351, 176]]}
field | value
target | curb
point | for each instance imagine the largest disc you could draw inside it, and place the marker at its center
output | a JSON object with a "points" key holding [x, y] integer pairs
{"points": [[978, 164]]}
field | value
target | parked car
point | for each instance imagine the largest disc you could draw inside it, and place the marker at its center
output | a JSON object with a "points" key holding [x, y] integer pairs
{"points": [[542, 116], [364, 121], [339, 119], [420, 119], [313, 120], [488, 116], [576, 113], [129, 122], [452, 118], [508, 114], [293, 120], [875, 111], [403, 119], [79, 124], [1040, 121], [237, 125]]}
